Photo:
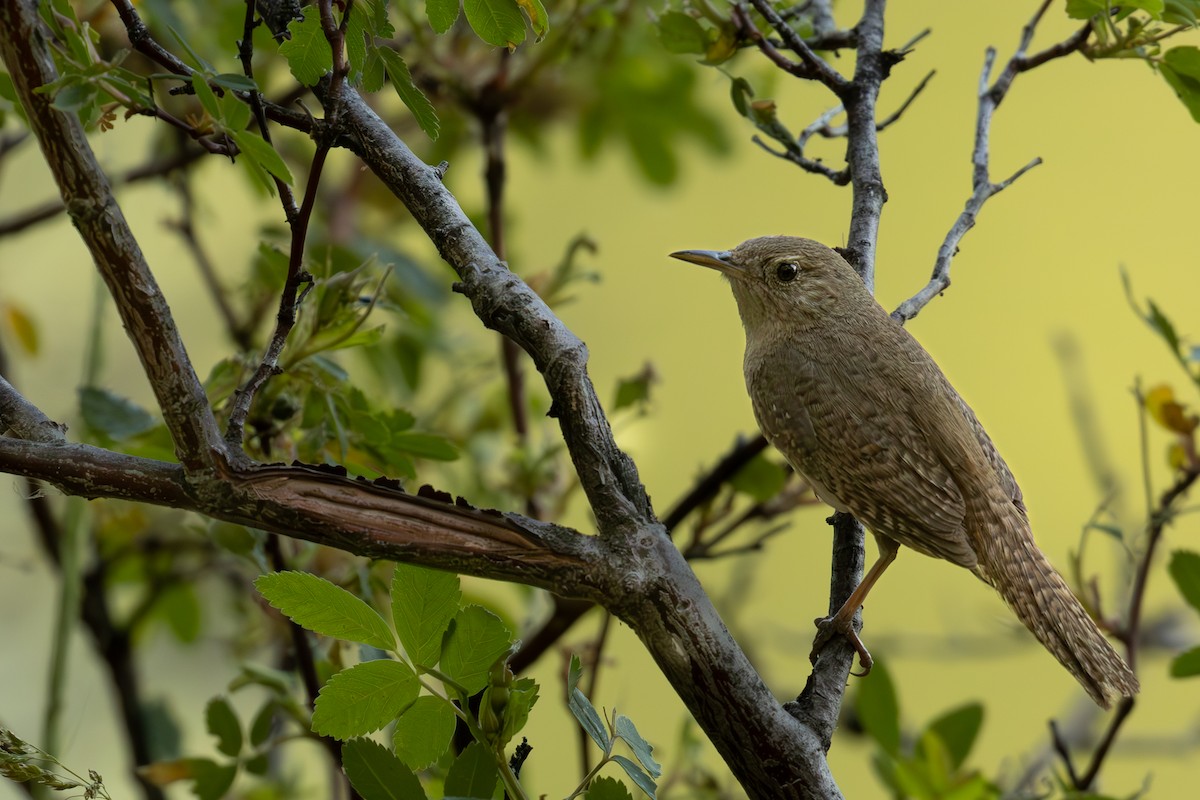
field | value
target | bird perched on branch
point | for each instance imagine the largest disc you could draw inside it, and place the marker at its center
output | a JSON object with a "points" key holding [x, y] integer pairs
{"points": [[863, 413]]}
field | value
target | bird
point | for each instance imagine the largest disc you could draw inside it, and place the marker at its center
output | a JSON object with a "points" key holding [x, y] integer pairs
{"points": [[864, 414]]}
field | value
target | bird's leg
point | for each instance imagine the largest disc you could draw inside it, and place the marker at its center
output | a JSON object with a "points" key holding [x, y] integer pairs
{"points": [[843, 621]]}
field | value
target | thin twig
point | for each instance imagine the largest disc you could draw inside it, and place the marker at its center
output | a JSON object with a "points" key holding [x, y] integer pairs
{"points": [[983, 188], [297, 276], [811, 66]]}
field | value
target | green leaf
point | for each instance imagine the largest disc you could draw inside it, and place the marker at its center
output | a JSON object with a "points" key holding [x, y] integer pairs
{"points": [[442, 13], [1085, 9], [112, 415], [263, 723], [476, 640], [356, 43], [424, 602], [364, 698], [624, 727], [637, 775], [760, 478], [423, 732], [682, 33], [958, 729], [606, 788], [307, 51], [179, 608], [376, 774], [635, 390], [260, 150], [425, 445], [538, 19], [497, 22], [1181, 12], [878, 709], [205, 94], [1185, 571], [234, 82], [235, 113], [210, 781], [222, 723], [473, 774], [522, 696], [1186, 664], [321, 607], [411, 96], [583, 709], [1180, 67]]}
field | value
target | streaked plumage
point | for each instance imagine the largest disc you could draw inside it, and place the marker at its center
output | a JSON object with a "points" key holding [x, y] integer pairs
{"points": [[861, 411]]}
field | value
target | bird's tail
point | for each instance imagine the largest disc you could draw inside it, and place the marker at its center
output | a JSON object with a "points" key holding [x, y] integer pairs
{"points": [[1018, 570]]}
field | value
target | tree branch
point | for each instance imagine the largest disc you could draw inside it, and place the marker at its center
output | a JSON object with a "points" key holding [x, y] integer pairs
{"points": [[990, 98], [96, 214]]}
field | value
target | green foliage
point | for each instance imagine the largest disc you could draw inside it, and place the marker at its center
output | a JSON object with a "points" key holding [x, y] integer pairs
{"points": [[424, 603], [320, 606], [643, 772], [761, 478], [933, 769], [364, 698], [376, 774], [476, 639], [1184, 569]]}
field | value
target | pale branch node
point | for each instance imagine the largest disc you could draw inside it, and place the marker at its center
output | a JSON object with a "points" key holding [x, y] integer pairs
{"points": [[990, 97]]}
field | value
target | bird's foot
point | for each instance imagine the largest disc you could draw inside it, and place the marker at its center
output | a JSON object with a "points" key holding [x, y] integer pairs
{"points": [[827, 628]]}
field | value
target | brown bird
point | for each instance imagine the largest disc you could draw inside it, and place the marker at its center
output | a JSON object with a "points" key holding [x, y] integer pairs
{"points": [[863, 413]]}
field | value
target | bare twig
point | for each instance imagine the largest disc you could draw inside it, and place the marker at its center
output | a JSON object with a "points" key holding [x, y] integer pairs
{"points": [[297, 277], [810, 66], [983, 188]]}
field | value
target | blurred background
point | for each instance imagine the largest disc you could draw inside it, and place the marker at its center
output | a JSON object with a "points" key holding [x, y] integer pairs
{"points": [[1036, 333]]}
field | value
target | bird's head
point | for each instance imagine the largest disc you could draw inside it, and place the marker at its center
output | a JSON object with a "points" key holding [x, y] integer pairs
{"points": [[782, 278]]}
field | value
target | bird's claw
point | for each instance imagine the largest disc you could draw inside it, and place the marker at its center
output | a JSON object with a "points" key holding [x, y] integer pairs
{"points": [[827, 627]]}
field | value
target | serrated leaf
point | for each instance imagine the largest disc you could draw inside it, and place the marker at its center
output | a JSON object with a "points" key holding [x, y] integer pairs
{"points": [[422, 110], [1186, 664], [637, 775], [210, 781], [497, 22], [878, 709], [605, 788], [423, 732], [116, 417], [222, 723], [364, 698], [682, 33], [424, 601], [322, 607], [958, 730], [442, 13], [356, 43], [476, 640], [254, 146], [473, 774], [307, 51], [623, 726], [582, 708], [376, 774], [1185, 571]]}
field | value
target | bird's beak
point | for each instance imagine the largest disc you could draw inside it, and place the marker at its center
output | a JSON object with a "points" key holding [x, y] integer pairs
{"points": [[719, 260]]}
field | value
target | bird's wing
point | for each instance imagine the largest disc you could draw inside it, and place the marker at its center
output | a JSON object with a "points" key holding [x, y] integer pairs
{"points": [[857, 437]]}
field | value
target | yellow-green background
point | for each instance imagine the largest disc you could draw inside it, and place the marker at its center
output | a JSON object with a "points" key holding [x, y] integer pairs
{"points": [[1117, 188]]}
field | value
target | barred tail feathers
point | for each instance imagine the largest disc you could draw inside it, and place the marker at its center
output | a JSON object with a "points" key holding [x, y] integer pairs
{"points": [[1012, 564]]}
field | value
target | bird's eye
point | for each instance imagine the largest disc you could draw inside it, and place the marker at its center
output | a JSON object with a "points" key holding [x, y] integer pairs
{"points": [[787, 272]]}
